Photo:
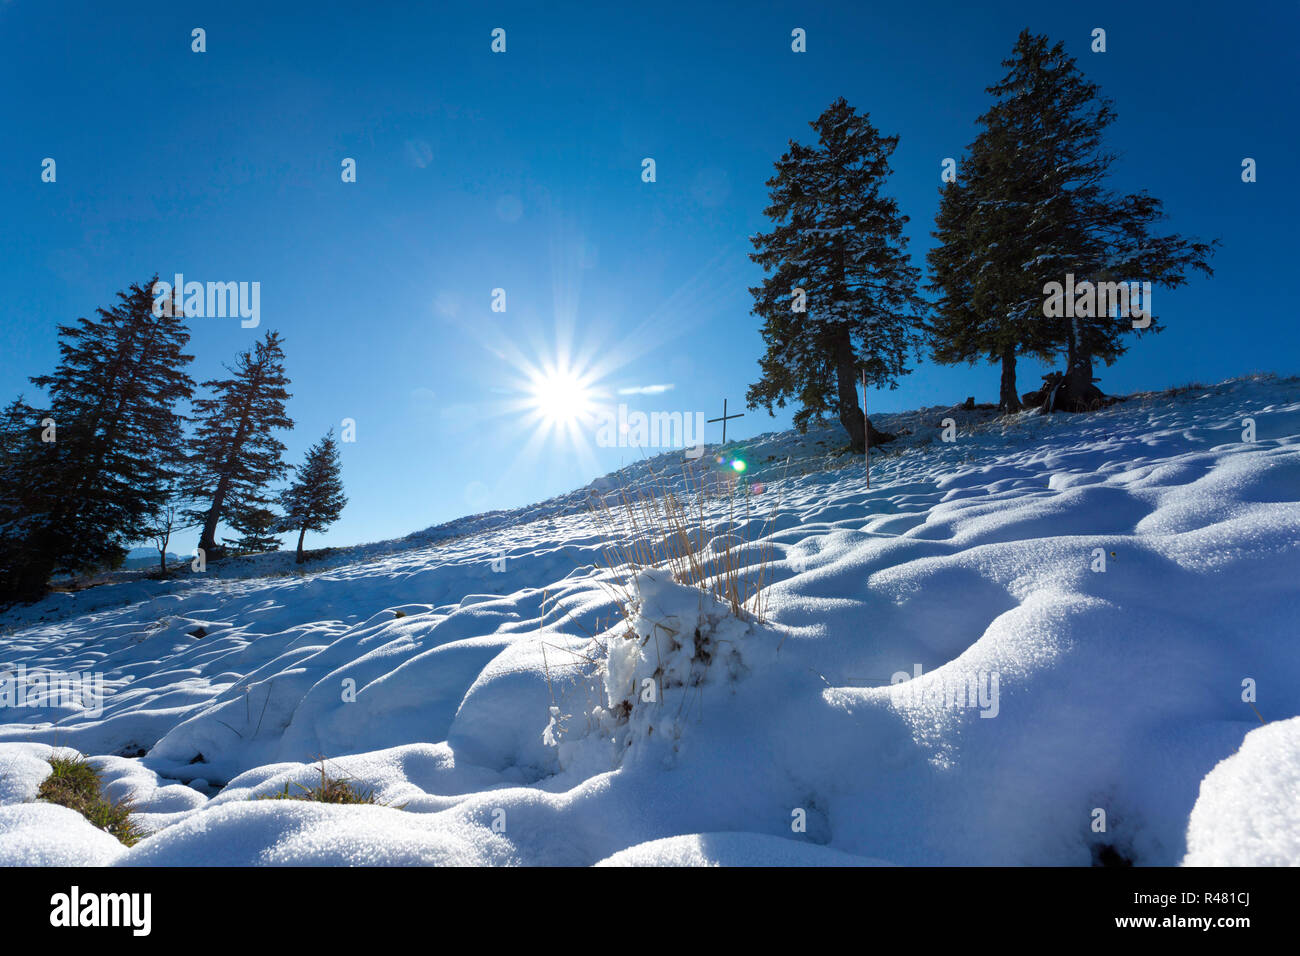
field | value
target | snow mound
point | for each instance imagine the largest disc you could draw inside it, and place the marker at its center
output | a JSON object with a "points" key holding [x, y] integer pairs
{"points": [[732, 849], [1248, 813], [42, 834], [297, 833], [1027, 646], [676, 641]]}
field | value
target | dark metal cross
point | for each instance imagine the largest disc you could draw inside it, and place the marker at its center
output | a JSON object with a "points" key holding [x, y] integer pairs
{"points": [[724, 420]]}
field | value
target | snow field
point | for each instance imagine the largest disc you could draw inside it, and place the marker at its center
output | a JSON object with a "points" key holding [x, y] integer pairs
{"points": [[516, 717]]}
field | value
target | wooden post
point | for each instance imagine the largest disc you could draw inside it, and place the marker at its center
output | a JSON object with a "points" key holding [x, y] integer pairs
{"points": [[866, 430]]}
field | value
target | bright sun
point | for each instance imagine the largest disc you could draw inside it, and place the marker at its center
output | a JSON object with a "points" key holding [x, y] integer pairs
{"points": [[560, 397]]}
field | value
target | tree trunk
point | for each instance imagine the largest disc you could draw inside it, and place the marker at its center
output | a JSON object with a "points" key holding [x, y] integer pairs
{"points": [[207, 544], [29, 579], [847, 396], [1008, 400], [301, 534], [1077, 392], [878, 437], [851, 417], [208, 539]]}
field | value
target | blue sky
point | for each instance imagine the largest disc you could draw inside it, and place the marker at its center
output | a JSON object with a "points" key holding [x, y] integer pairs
{"points": [[522, 171]]}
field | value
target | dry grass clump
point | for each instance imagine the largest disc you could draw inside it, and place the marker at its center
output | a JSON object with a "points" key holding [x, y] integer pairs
{"points": [[329, 790], [703, 536]]}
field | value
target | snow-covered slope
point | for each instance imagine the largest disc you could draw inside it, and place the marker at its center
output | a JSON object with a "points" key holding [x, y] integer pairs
{"points": [[482, 680]]}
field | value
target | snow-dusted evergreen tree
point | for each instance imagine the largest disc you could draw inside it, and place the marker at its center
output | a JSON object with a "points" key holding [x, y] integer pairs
{"points": [[315, 498], [23, 498], [841, 297], [92, 490], [1029, 208], [990, 303], [259, 531], [234, 454]]}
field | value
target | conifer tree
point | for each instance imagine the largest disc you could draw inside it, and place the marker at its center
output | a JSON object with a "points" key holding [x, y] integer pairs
{"points": [[16, 426], [24, 500], [258, 529], [990, 305], [315, 498], [233, 453], [20, 443], [841, 298], [1031, 208], [115, 433]]}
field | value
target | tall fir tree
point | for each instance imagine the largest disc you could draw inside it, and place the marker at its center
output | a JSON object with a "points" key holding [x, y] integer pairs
{"points": [[841, 298], [315, 498], [115, 431], [24, 498], [234, 454], [1029, 209], [990, 303]]}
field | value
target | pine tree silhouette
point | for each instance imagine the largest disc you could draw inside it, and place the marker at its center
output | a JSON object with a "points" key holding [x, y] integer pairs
{"points": [[93, 489], [315, 498], [1030, 207], [838, 250], [234, 454]]}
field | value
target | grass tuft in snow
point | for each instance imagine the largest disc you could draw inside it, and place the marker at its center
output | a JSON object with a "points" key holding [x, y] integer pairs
{"points": [[329, 790], [75, 784], [703, 536]]}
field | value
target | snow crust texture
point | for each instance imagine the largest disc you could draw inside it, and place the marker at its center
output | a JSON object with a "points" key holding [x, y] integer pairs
{"points": [[1006, 640]]}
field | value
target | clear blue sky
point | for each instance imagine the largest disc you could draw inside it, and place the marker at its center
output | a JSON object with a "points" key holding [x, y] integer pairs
{"points": [[522, 171]]}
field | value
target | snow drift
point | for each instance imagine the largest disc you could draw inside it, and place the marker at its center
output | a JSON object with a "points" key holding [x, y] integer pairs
{"points": [[1051, 636]]}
